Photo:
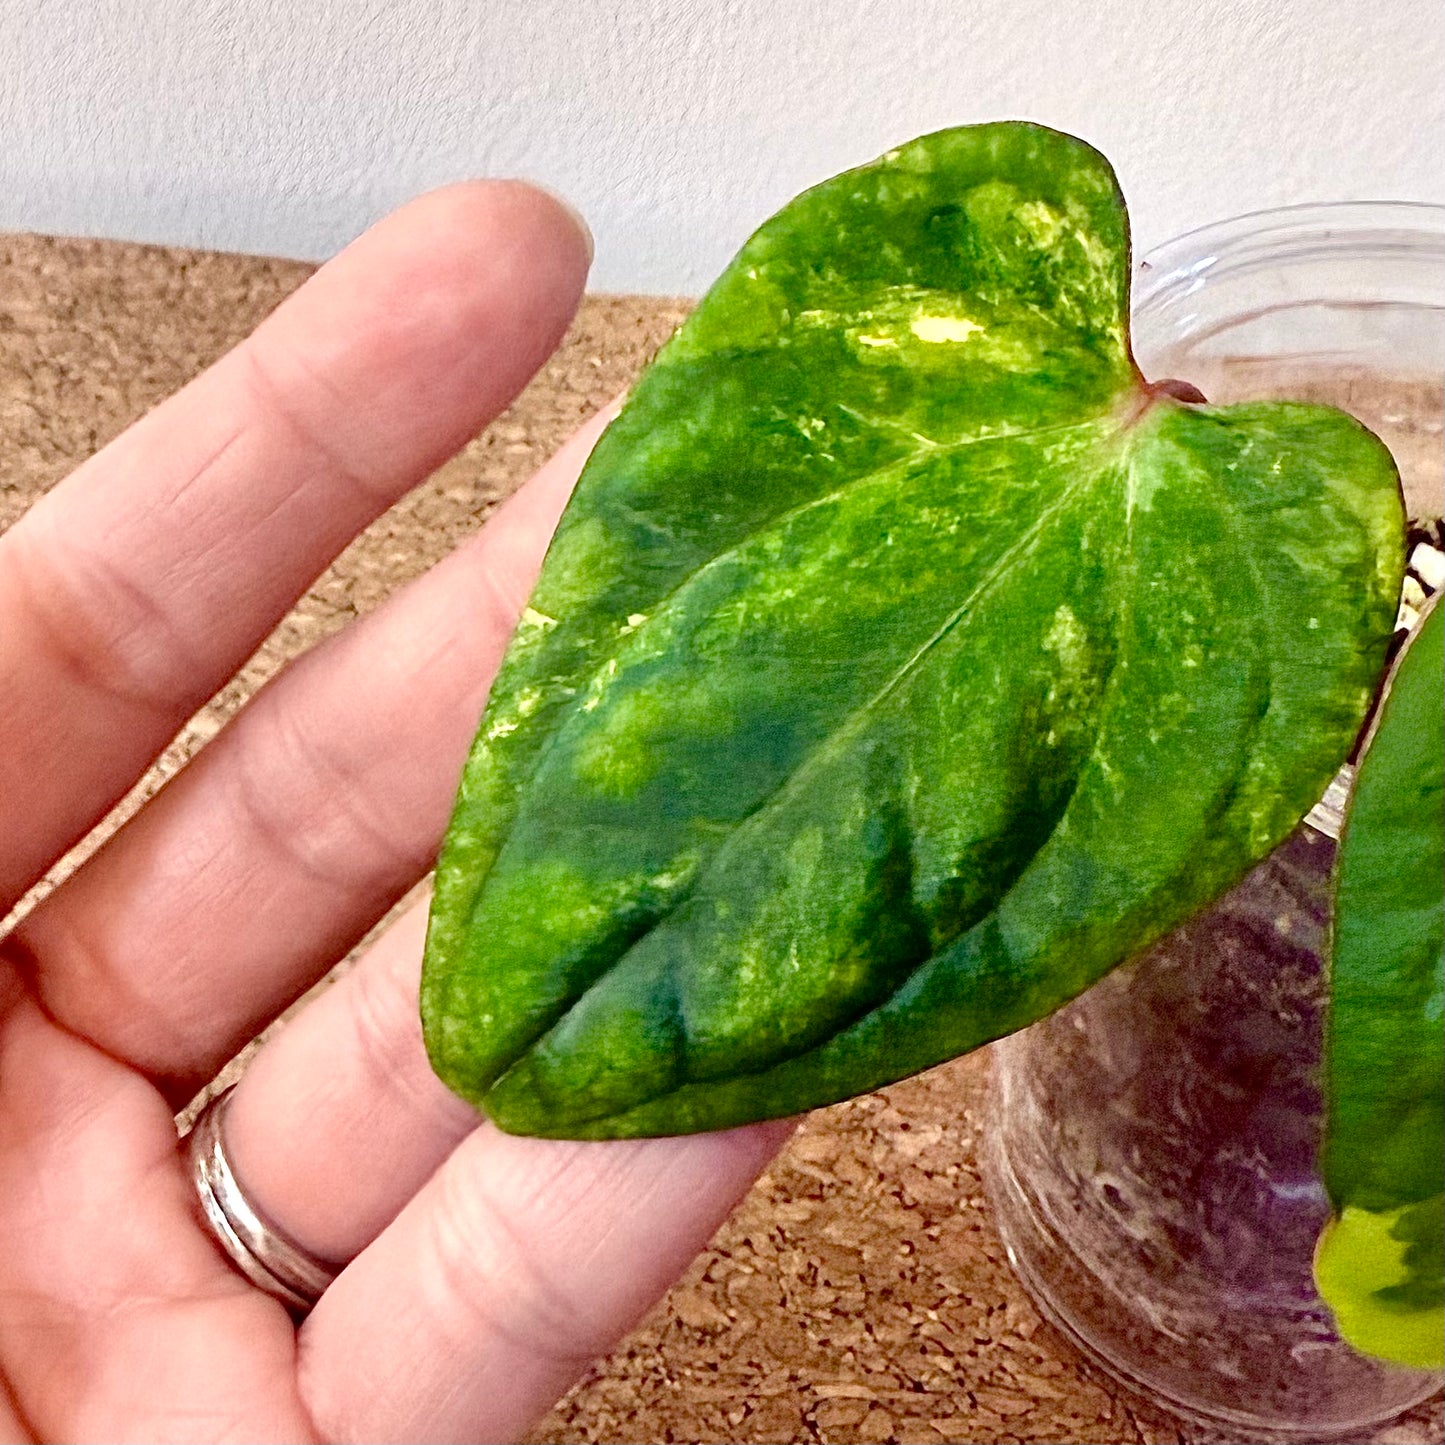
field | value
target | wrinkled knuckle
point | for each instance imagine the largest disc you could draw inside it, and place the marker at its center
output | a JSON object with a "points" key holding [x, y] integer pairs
{"points": [[100, 625], [275, 396], [495, 1285], [78, 978], [501, 595], [311, 813], [386, 1030]]}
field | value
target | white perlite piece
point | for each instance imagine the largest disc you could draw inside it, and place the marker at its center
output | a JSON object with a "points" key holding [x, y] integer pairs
{"points": [[1428, 564]]}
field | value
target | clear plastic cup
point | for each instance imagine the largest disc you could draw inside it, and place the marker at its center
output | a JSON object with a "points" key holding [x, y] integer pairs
{"points": [[1152, 1151]]}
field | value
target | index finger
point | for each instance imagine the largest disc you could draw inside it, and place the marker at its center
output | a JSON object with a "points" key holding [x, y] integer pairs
{"points": [[131, 592]]}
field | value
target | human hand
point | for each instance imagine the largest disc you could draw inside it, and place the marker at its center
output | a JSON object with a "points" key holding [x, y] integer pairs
{"points": [[485, 1271]]}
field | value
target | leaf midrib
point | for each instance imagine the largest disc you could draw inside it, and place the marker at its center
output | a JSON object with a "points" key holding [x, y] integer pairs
{"points": [[1225, 803], [633, 641], [961, 615], [1244, 544]]}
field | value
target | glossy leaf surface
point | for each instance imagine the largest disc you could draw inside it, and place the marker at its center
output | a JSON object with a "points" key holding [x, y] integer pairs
{"points": [[900, 665], [1381, 1265]]}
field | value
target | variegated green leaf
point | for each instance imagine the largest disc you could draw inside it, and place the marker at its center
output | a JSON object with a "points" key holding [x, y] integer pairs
{"points": [[901, 664], [1381, 1264]]}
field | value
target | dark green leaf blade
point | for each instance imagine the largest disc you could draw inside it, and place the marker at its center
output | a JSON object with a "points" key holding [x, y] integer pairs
{"points": [[1380, 1264], [801, 372], [1180, 745], [900, 666]]}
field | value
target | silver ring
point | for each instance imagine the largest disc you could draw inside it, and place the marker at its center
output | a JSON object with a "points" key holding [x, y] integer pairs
{"points": [[264, 1253]]}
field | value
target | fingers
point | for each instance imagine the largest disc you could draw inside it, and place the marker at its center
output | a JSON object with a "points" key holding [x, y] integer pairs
{"points": [[490, 1284], [519, 1262], [119, 1320], [281, 844], [132, 591], [343, 1087]]}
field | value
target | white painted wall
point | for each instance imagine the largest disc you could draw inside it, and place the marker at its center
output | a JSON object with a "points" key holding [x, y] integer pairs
{"points": [[285, 126]]}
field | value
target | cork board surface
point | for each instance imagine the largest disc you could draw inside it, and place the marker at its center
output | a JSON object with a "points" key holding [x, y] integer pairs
{"points": [[859, 1293]]}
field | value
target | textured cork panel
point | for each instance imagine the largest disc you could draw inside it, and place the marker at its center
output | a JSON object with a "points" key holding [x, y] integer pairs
{"points": [[859, 1293]]}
